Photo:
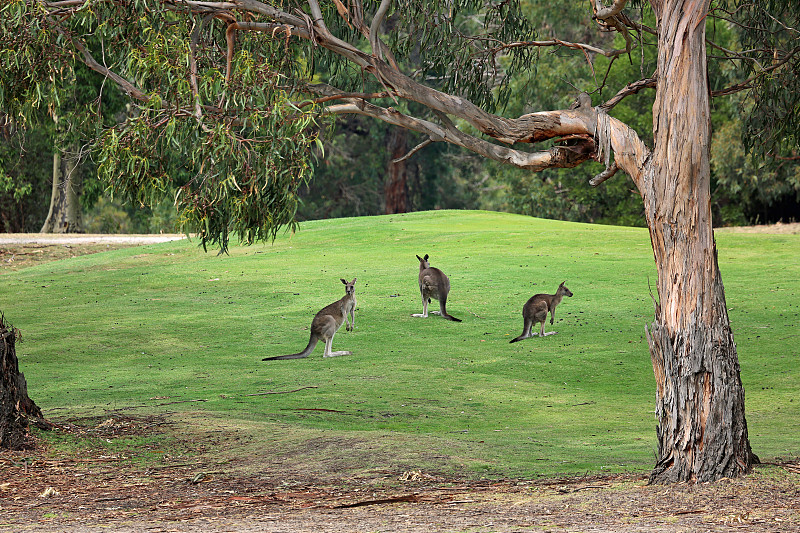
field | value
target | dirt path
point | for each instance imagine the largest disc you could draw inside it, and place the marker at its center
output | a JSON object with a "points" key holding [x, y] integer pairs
{"points": [[20, 250], [85, 238]]}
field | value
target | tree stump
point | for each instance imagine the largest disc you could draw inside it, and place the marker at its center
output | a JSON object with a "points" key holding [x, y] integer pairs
{"points": [[15, 405]]}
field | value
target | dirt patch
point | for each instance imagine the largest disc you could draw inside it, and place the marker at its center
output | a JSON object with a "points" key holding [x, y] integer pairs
{"points": [[90, 491], [21, 250]]}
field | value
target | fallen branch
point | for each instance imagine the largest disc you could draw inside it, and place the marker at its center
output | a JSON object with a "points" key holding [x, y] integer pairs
{"points": [[413, 498], [282, 392], [316, 409], [181, 401]]}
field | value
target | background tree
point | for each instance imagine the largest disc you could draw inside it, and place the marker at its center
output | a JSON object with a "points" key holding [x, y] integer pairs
{"points": [[233, 86], [25, 162], [46, 155]]}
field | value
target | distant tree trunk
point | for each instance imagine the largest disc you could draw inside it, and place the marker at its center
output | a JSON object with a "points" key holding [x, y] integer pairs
{"points": [[15, 405], [702, 431], [396, 187], [64, 215]]}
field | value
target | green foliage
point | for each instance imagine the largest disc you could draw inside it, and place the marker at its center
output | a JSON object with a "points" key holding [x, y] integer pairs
{"points": [[566, 195], [236, 159], [55, 104], [459, 42], [751, 191], [110, 216], [769, 33], [26, 161], [121, 331]]}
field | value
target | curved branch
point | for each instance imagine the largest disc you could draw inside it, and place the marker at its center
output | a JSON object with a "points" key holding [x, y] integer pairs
{"points": [[603, 13], [558, 156], [375, 27], [88, 59], [747, 84], [414, 150], [607, 174], [631, 88], [590, 132], [630, 154]]}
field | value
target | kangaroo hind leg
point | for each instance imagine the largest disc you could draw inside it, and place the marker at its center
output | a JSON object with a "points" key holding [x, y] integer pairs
{"points": [[425, 301], [329, 353]]}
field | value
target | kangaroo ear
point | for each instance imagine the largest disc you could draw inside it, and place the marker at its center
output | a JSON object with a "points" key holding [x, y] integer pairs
{"points": [[343, 281], [418, 257], [354, 281], [426, 257]]}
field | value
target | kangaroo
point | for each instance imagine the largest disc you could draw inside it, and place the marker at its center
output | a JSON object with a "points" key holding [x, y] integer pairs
{"points": [[433, 283], [327, 322], [536, 309]]}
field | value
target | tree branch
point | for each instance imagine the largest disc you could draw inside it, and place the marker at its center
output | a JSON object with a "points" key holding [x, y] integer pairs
{"points": [[559, 42], [414, 150], [603, 13], [88, 59], [193, 65], [558, 156], [608, 173], [375, 27], [747, 84], [631, 88]]}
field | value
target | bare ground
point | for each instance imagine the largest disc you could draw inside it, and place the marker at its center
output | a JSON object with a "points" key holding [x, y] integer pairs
{"points": [[43, 490]]}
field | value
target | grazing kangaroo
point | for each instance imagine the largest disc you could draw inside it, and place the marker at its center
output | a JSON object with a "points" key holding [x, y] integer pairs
{"points": [[433, 283], [536, 309], [327, 322]]}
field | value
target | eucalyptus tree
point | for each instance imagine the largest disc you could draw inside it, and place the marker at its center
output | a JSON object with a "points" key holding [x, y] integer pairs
{"points": [[234, 86]]}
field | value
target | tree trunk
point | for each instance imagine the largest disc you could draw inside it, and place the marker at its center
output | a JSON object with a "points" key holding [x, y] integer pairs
{"points": [[396, 187], [15, 405], [702, 431], [64, 215]]}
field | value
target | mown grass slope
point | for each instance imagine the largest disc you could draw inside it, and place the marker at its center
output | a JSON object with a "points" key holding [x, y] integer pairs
{"points": [[170, 328]]}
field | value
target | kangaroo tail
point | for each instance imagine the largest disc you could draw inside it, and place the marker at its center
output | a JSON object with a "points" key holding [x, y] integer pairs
{"points": [[526, 331], [443, 310], [312, 342]]}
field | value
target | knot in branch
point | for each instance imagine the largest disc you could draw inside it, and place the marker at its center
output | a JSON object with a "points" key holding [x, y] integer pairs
{"points": [[572, 151]]}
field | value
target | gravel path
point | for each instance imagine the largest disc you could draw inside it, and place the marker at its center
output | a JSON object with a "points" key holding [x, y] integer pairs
{"points": [[85, 238]]}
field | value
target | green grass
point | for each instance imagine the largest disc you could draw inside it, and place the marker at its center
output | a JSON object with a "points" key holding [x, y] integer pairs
{"points": [[142, 328]]}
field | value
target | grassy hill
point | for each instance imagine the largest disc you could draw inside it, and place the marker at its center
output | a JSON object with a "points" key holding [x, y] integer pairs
{"points": [[170, 329]]}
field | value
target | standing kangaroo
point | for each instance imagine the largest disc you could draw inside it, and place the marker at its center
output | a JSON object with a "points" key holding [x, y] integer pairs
{"points": [[536, 309], [433, 283], [327, 322]]}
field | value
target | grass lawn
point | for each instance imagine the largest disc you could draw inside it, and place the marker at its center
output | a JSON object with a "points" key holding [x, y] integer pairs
{"points": [[168, 328]]}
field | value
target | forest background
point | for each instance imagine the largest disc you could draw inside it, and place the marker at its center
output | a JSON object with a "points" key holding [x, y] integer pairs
{"points": [[357, 172]]}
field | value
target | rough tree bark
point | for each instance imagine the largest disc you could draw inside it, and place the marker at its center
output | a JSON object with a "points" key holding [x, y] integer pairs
{"points": [[702, 431], [64, 215], [15, 405], [396, 188]]}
